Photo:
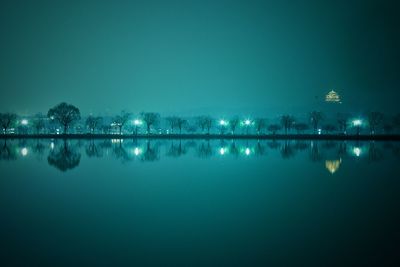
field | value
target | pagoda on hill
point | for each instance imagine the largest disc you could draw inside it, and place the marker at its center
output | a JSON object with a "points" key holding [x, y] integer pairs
{"points": [[333, 97]]}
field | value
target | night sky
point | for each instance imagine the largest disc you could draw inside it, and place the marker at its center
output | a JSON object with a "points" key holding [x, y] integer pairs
{"points": [[191, 57]]}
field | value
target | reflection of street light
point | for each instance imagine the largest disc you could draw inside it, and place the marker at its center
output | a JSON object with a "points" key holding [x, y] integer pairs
{"points": [[357, 151], [24, 122], [24, 151], [222, 151], [137, 151], [247, 151], [357, 123]]}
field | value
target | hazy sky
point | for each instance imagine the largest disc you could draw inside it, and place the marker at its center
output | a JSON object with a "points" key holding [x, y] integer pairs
{"points": [[198, 56]]}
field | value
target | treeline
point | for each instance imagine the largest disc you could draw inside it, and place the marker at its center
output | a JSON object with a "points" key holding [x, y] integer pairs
{"points": [[66, 118]]}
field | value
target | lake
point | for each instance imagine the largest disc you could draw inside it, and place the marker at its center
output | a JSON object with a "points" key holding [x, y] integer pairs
{"points": [[199, 203]]}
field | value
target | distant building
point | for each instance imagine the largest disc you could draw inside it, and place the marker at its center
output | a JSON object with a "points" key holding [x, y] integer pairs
{"points": [[333, 97]]}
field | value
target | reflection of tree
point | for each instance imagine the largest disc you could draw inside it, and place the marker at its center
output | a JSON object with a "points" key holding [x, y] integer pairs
{"points": [[176, 151], [259, 149], [120, 152], [374, 153], [300, 146], [205, 150], [92, 150], [151, 153], [329, 145], [315, 153], [38, 149], [233, 149], [287, 150], [64, 158], [342, 150], [274, 144], [6, 153]]}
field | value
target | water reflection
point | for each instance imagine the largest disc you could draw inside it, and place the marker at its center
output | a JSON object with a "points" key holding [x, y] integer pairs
{"points": [[66, 154]]}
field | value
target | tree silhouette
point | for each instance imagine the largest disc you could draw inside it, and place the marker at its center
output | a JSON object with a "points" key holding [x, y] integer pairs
{"points": [[287, 122], [121, 120], [329, 128], [150, 118], [260, 124], [205, 123], [7, 120], [172, 122], [374, 119], [301, 127], [38, 123], [65, 114], [342, 120], [93, 123], [316, 117], [233, 123], [273, 128]]}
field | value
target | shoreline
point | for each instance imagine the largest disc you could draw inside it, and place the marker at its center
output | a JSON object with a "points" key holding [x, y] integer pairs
{"points": [[379, 137]]}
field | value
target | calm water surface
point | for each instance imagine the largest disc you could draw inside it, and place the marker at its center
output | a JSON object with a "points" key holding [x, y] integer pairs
{"points": [[199, 203]]}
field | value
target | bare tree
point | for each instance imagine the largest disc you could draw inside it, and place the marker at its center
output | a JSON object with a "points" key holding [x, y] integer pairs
{"points": [[205, 123], [181, 123], [316, 117], [151, 119], [38, 123], [65, 114], [260, 124], [342, 120], [121, 120], [233, 123], [374, 119], [273, 128], [329, 128], [301, 127], [287, 122], [172, 122], [93, 123]]}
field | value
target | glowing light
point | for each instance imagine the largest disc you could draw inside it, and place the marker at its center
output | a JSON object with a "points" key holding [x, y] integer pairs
{"points": [[24, 122], [223, 122], [137, 151], [52, 145], [357, 151], [24, 151], [333, 165], [319, 131], [247, 122], [357, 122], [247, 151], [117, 141], [222, 151], [137, 122]]}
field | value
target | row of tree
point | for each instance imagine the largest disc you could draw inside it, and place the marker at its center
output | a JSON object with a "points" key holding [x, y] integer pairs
{"points": [[66, 115]]}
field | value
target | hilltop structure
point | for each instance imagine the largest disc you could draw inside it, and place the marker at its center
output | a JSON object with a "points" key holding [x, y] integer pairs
{"points": [[333, 97]]}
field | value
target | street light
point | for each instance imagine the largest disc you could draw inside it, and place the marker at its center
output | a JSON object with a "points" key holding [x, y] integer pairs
{"points": [[24, 122]]}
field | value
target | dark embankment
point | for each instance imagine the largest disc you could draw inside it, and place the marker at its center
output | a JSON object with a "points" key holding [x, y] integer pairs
{"points": [[379, 137]]}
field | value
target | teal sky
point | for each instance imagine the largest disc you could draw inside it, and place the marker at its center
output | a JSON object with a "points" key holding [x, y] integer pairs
{"points": [[190, 57]]}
